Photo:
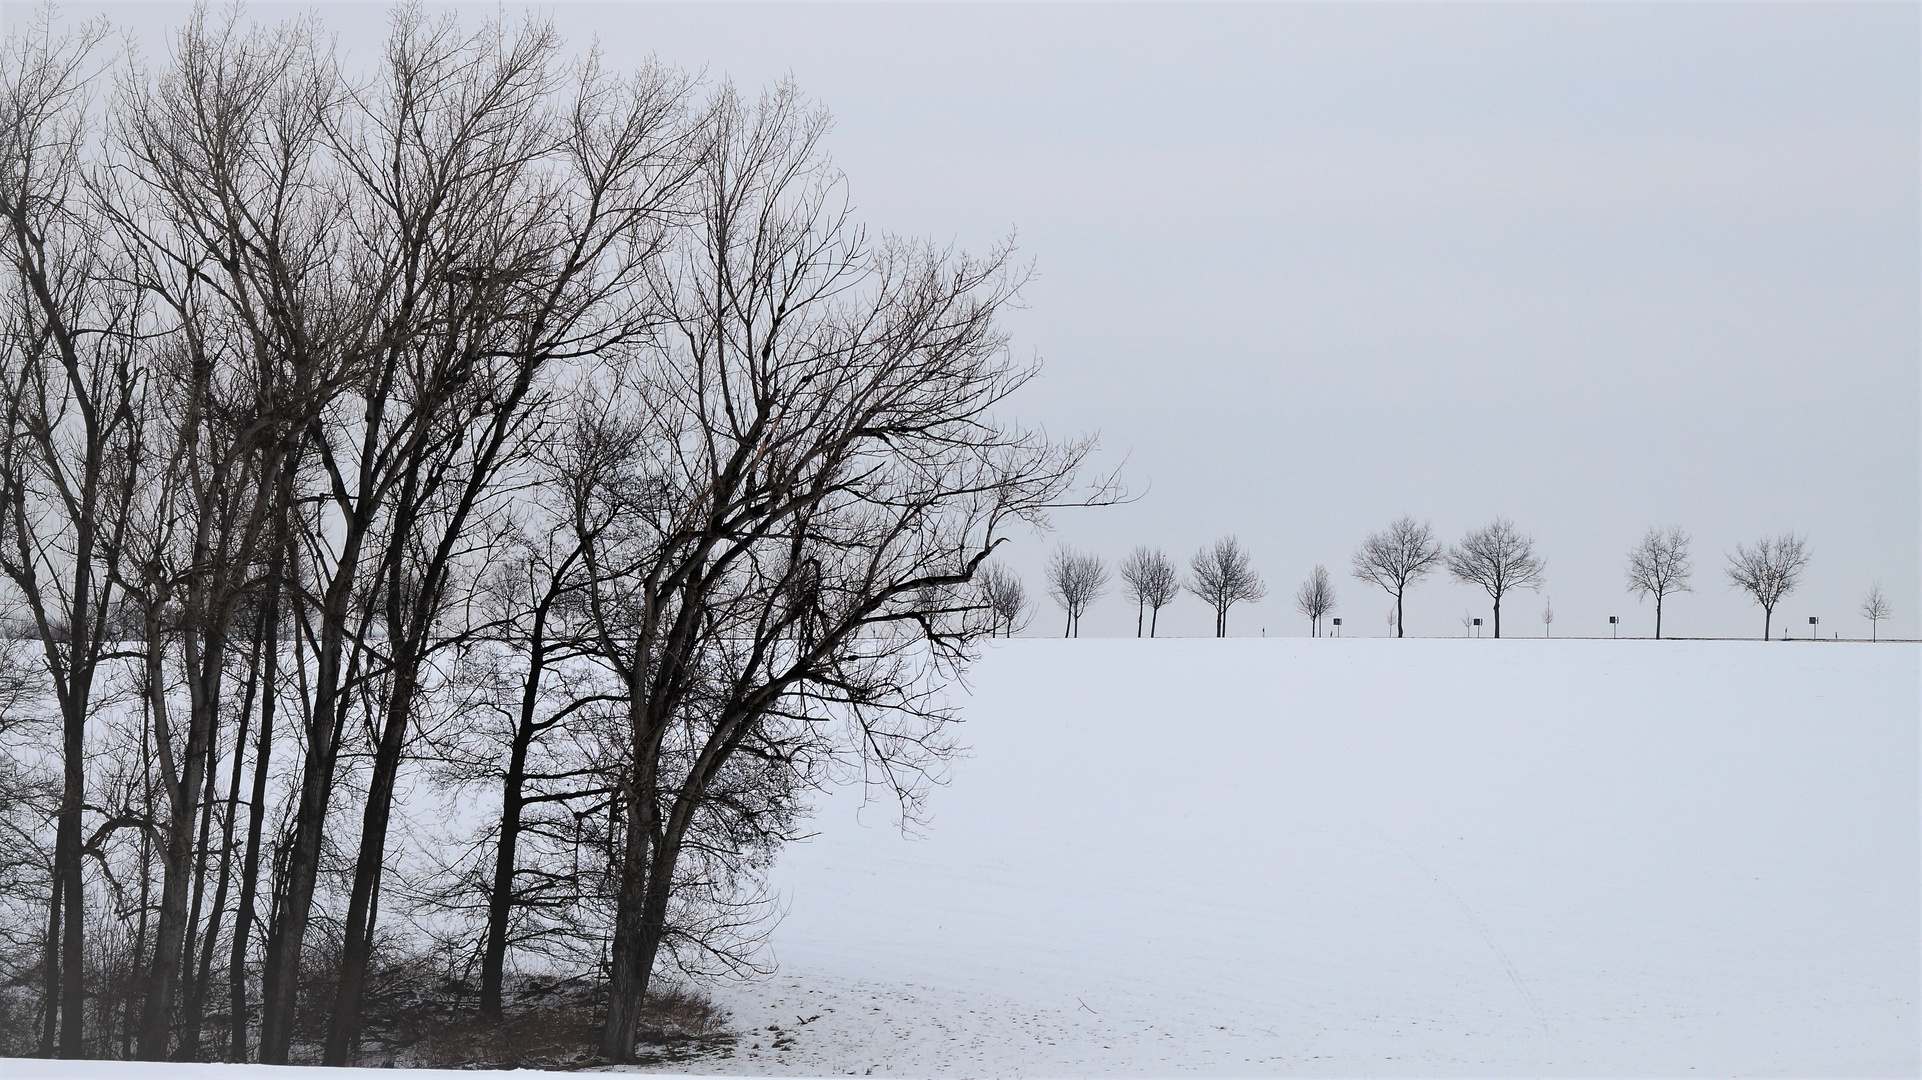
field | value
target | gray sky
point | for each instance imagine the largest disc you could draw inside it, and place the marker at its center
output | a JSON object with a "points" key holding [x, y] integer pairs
{"points": [[1593, 267]]}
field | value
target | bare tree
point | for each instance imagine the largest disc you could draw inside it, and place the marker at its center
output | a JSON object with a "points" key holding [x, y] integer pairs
{"points": [[72, 380], [1223, 578], [1500, 559], [1548, 617], [530, 594], [1006, 598], [1875, 608], [1315, 598], [481, 420], [1396, 558], [1152, 582], [1075, 581], [1768, 571], [784, 496], [1659, 567]]}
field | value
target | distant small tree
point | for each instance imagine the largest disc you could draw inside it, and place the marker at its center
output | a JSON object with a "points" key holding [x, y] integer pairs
{"points": [[1075, 581], [1396, 558], [1006, 599], [1151, 581], [1660, 566], [1875, 608], [1394, 624], [1500, 559], [1315, 598], [1769, 571], [1224, 578], [1548, 617]]}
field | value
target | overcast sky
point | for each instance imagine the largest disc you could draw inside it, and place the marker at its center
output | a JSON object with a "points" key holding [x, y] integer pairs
{"points": [[1309, 267]]}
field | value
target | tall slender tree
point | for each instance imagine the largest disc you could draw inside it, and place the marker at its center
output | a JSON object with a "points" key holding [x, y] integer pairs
{"points": [[784, 491], [71, 382], [1660, 567]]}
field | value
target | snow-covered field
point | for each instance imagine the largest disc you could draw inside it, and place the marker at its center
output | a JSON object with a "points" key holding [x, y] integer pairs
{"points": [[1373, 858], [1380, 858]]}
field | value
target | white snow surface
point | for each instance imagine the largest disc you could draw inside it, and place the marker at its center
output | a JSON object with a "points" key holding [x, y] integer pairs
{"points": [[1351, 857]]}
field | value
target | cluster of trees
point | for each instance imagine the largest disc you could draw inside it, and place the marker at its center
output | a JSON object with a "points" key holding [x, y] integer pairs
{"points": [[1497, 558], [487, 427], [1220, 575]]}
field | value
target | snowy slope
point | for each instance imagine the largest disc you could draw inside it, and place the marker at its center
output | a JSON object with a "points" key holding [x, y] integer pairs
{"points": [[1371, 858]]}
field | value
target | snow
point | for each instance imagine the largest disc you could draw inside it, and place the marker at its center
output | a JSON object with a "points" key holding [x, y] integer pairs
{"points": [[1350, 857], [1385, 858]]}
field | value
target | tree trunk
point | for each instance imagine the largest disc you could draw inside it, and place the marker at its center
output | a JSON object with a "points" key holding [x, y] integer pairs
{"points": [[146, 891], [282, 553], [256, 813], [630, 959], [66, 857], [500, 902], [177, 862], [197, 943], [295, 904], [204, 977], [1139, 606], [156, 1014], [1498, 616], [1658, 616], [1153, 620], [50, 978], [343, 1035]]}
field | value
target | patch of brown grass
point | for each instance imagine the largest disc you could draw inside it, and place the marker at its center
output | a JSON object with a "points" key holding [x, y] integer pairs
{"points": [[556, 1024]]}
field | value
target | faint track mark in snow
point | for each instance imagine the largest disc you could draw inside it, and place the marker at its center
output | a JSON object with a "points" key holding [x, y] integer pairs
{"points": [[1508, 966]]}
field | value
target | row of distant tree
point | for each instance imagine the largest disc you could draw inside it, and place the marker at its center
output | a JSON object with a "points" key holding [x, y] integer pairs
{"points": [[1498, 558]]}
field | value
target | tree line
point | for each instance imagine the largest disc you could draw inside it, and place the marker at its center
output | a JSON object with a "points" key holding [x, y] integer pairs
{"points": [[1498, 558], [463, 503]]}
